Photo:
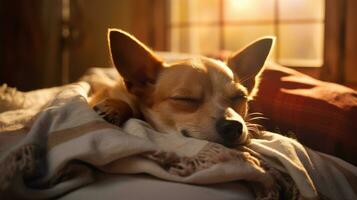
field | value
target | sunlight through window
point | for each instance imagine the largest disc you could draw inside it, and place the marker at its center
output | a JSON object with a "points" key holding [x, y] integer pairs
{"points": [[210, 26]]}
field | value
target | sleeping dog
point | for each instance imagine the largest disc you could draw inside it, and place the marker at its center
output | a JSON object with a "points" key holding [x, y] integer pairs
{"points": [[199, 97]]}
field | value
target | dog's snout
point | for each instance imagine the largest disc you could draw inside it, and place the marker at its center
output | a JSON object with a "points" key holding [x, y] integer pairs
{"points": [[229, 130]]}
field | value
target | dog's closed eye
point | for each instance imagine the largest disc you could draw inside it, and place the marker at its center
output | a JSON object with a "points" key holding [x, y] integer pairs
{"points": [[184, 103], [238, 97], [185, 99]]}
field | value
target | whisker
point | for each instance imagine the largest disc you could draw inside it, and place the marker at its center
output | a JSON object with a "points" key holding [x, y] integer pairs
{"points": [[254, 125], [246, 78], [254, 129], [256, 118], [254, 113]]}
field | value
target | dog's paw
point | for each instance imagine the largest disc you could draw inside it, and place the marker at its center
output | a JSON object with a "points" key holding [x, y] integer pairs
{"points": [[114, 111]]}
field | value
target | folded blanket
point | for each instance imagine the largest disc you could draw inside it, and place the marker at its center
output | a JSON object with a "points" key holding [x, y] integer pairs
{"points": [[54, 148]]}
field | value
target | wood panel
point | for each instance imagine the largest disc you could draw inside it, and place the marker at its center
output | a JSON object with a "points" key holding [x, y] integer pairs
{"points": [[90, 21], [334, 41], [92, 18], [350, 71], [340, 60], [150, 23], [22, 44]]}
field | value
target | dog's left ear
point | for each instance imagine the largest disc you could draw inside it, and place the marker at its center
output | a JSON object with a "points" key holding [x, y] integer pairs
{"points": [[136, 63], [248, 63]]}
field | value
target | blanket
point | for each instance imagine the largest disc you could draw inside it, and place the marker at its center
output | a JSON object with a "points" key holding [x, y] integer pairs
{"points": [[51, 142]]}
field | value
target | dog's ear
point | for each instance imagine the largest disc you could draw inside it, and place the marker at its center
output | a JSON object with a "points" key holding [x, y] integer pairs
{"points": [[135, 62], [248, 63]]}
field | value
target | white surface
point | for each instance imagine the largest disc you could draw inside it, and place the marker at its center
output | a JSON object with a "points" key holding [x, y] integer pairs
{"points": [[127, 187]]}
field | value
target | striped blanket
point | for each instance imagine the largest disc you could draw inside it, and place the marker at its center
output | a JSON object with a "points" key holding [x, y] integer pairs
{"points": [[51, 142]]}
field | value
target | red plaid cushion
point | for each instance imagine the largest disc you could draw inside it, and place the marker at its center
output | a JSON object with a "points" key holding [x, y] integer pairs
{"points": [[322, 115]]}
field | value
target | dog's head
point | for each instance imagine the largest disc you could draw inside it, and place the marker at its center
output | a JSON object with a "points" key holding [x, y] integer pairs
{"points": [[200, 97]]}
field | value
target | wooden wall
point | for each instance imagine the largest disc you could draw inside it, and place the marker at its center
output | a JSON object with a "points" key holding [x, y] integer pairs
{"points": [[22, 44], [90, 20], [142, 18], [31, 43], [340, 51], [350, 72]]}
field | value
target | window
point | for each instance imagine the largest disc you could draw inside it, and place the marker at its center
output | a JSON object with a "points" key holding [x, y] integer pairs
{"points": [[209, 26]]}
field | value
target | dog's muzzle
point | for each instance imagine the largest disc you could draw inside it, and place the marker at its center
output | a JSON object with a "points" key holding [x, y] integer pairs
{"points": [[229, 130]]}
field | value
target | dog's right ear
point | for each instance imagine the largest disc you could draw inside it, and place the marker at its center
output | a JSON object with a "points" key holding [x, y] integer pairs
{"points": [[248, 63], [135, 62]]}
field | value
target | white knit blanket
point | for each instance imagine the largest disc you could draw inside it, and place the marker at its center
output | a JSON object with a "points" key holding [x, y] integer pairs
{"points": [[52, 146]]}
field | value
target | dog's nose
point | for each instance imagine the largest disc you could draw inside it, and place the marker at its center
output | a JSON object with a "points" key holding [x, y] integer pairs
{"points": [[229, 130]]}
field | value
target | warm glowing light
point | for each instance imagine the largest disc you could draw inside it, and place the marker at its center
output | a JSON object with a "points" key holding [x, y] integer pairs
{"points": [[248, 10], [240, 4], [297, 24]]}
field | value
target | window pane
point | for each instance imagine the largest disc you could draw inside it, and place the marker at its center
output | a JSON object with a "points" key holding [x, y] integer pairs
{"points": [[179, 11], [204, 10], [195, 39], [204, 39], [238, 37], [242, 10], [194, 27], [301, 43], [180, 39], [301, 9]]}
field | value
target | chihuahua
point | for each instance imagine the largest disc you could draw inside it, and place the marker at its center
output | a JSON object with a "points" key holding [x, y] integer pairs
{"points": [[198, 97]]}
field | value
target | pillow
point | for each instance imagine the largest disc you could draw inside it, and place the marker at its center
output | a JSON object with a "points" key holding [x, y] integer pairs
{"points": [[322, 115]]}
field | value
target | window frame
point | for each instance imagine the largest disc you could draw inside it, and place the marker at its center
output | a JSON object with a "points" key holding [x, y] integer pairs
{"points": [[222, 23]]}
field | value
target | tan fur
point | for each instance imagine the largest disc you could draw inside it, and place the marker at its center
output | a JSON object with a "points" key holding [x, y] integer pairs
{"points": [[186, 97]]}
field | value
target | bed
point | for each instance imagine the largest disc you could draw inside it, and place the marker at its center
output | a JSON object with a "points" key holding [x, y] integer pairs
{"points": [[52, 145]]}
